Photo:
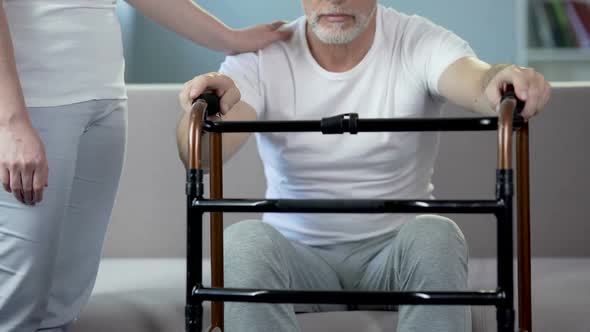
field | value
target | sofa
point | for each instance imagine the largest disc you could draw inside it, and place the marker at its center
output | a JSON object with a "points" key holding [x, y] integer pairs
{"points": [[141, 279]]}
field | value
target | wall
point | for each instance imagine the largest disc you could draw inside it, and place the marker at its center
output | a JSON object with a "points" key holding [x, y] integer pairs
{"points": [[156, 55]]}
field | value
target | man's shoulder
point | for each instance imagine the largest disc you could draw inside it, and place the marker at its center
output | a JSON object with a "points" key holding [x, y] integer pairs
{"points": [[279, 47], [396, 21], [286, 47]]}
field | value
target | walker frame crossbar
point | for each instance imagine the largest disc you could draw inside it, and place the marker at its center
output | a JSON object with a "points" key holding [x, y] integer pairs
{"points": [[501, 207]]}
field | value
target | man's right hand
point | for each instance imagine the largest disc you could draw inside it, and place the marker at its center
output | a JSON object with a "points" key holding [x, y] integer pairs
{"points": [[232, 109], [23, 164], [220, 84]]}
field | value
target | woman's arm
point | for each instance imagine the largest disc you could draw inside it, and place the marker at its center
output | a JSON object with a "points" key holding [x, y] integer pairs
{"points": [[192, 22], [12, 103], [23, 165]]}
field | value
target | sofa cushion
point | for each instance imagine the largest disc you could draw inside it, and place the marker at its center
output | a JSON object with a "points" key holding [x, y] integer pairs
{"points": [[147, 295]]}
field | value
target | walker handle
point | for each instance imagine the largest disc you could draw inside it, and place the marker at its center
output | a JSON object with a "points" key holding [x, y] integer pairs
{"points": [[212, 101], [511, 93]]}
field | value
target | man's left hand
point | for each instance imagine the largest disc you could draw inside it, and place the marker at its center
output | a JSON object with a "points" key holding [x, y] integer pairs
{"points": [[530, 87]]}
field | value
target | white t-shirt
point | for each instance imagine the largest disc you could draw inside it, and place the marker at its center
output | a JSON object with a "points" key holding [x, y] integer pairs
{"points": [[397, 78], [67, 51]]}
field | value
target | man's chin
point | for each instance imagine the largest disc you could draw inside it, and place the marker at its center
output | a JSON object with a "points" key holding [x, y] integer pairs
{"points": [[336, 36]]}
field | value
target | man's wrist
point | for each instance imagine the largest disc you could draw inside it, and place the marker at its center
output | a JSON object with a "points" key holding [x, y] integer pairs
{"points": [[490, 74]]}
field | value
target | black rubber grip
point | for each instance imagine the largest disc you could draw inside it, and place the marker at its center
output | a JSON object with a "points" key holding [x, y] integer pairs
{"points": [[511, 93], [212, 101]]}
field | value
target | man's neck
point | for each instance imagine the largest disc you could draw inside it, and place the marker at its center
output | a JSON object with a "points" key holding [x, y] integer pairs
{"points": [[341, 57]]}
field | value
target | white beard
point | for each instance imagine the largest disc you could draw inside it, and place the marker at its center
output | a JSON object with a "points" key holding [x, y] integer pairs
{"points": [[334, 33]]}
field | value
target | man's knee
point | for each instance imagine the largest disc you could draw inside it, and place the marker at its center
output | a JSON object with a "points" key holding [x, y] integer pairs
{"points": [[245, 233], [252, 253], [434, 249], [433, 232]]}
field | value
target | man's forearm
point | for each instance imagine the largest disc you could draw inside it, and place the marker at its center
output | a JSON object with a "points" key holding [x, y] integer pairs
{"points": [[483, 105], [231, 142], [465, 82], [490, 74], [188, 20], [12, 104]]}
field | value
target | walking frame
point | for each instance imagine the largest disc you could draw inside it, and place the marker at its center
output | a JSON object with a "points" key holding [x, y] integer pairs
{"points": [[501, 207]]}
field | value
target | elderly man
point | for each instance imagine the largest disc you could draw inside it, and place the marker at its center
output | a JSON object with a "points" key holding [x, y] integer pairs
{"points": [[352, 56]]}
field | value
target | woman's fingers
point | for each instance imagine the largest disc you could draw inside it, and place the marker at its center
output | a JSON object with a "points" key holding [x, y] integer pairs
{"points": [[39, 183], [16, 184], [27, 182], [5, 179]]}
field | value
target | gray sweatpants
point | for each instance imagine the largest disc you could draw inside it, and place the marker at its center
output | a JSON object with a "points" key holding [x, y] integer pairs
{"points": [[49, 253], [428, 253]]}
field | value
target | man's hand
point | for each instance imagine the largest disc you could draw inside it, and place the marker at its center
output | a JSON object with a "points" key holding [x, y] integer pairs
{"points": [[478, 86], [221, 85], [258, 37], [530, 87], [225, 88], [23, 164]]}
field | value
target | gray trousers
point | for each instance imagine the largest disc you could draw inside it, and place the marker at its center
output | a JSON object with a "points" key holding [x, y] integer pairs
{"points": [[49, 253], [428, 253]]}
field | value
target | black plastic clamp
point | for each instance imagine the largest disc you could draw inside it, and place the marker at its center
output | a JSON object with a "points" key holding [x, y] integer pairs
{"points": [[339, 124]]}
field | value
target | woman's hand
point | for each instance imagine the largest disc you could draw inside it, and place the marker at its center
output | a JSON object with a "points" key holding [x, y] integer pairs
{"points": [[257, 37], [23, 164]]}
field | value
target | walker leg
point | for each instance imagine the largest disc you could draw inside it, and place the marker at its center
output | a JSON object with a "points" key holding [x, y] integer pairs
{"points": [[194, 318], [505, 318]]}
